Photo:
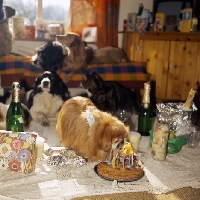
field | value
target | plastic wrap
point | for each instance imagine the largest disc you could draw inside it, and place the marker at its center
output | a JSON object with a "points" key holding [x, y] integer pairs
{"points": [[180, 121]]}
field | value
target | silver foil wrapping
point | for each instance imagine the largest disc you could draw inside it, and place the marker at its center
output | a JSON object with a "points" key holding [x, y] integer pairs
{"points": [[180, 121], [58, 158]]}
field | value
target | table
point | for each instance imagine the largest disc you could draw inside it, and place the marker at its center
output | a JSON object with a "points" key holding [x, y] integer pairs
{"points": [[177, 171]]}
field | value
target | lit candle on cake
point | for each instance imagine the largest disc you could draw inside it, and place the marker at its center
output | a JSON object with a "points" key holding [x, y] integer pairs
{"points": [[132, 159], [123, 160], [129, 161]]}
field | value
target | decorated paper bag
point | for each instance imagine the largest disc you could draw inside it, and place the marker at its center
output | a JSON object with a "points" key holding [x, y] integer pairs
{"points": [[17, 151]]}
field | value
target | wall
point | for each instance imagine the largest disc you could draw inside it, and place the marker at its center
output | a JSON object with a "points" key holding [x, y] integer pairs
{"points": [[128, 6], [26, 47]]}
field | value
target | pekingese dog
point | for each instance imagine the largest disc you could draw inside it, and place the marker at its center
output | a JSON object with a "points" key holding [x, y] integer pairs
{"points": [[88, 131]]}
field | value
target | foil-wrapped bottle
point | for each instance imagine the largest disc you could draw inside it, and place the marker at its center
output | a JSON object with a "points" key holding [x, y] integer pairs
{"points": [[15, 113], [145, 113], [188, 104]]}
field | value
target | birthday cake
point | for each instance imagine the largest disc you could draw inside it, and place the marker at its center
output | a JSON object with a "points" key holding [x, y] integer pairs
{"points": [[124, 166]]}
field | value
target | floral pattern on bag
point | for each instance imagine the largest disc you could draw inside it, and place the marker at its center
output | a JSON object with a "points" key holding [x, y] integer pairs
{"points": [[18, 151]]}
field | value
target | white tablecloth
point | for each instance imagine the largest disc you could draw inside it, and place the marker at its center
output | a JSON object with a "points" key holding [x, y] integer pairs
{"points": [[178, 170]]}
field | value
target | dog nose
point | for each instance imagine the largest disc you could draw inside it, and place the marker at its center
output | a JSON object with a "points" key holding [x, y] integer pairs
{"points": [[45, 84]]}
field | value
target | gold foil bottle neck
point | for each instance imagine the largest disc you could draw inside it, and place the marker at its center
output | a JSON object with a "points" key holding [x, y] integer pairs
{"points": [[189, 101], [16, 92], [15, 85], [146, 97], [16, 95]]}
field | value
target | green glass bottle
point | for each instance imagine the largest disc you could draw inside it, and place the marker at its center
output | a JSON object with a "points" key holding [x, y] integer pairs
{"points": [[15, 113], [145, 117], [140, 9]]}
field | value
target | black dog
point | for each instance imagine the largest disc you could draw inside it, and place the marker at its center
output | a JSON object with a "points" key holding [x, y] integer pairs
{"points": [[47, 97], [50, 56]]}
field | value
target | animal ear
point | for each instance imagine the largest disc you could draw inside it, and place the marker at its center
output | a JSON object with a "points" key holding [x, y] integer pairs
{"points": [[99, 80], [84, 77], [97, 76], [102, 129], [63, 90], [37, 49], [106, 142], [76, 42]]}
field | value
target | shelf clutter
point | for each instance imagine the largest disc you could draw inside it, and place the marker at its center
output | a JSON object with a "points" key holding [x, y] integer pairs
{"points": [[184, 17]]}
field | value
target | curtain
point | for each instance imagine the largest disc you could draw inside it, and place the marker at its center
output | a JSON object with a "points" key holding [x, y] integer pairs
{"points": [[100, 13]]}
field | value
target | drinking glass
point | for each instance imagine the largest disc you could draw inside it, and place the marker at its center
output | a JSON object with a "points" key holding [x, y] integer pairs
{"points": [[193, 139], [123, 114]]}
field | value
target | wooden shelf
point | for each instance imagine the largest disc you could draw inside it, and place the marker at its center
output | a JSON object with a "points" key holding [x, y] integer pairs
{"points": [[32, 40], [168, 36], [173, 60]]}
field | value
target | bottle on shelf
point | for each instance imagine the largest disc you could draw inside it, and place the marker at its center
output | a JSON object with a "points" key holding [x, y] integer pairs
{"points": [[197, 7], [145, 116], [181, 16], [188, 104], [140, 9], [194, 18], [139, 13], [15, 113]]}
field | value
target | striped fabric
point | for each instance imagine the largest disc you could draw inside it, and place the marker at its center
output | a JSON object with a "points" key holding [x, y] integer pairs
{"points": [[129, 71]]}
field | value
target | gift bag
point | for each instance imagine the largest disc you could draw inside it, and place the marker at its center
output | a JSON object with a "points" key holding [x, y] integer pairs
{"points": [[17, 151]]}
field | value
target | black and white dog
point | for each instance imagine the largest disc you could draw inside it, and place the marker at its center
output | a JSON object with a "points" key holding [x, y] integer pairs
{"points": [[47, 97], [49, 56]]}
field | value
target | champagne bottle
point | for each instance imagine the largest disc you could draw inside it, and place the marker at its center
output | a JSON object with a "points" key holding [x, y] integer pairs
{"points": [[145, 113], [188, 104], [15, 113]]}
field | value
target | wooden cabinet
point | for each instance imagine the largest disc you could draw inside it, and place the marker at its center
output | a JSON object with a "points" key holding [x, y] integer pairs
{"points": [[173, 60]]}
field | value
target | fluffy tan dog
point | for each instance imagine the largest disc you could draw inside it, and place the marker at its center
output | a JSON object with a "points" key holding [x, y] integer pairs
{"points": [[3, 111], [89, 131], [78, 56]]}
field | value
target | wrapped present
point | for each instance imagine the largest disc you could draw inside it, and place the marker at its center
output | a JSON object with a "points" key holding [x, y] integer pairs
{"points": [[17, 151]]}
